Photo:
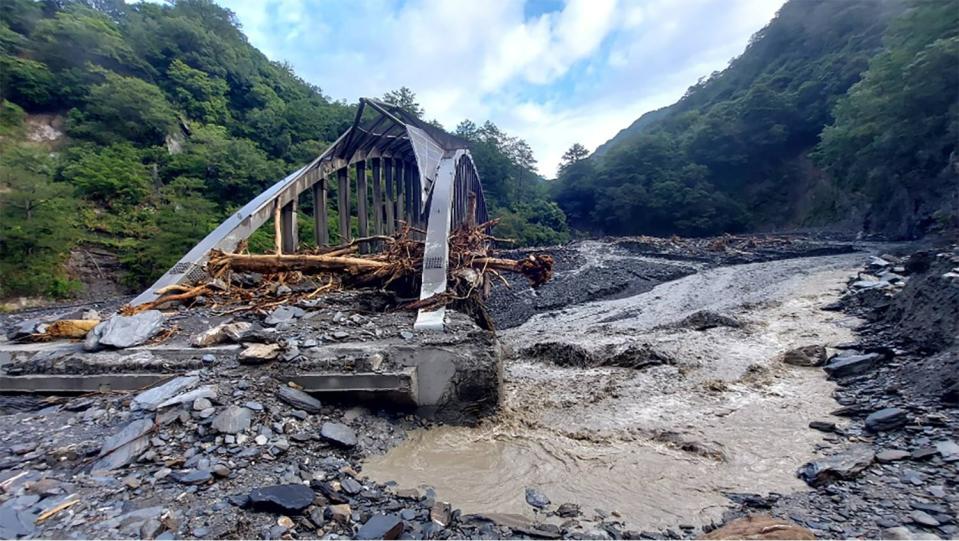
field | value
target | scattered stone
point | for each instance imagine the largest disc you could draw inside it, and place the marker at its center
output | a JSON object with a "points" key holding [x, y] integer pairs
{"points": [[283, 314], [924, 453], [152, 398], [536, 498], [823, 426], [847, 365], [128, 331], [128, 433], [289, 499], [298, 399], [205, 392], [891, 455], [261, 439], [123, 455], [886, 419], [568, 510], [760, 527], [221, 470], [233, 420], [441, 513], [340, 513], [338, 433], [351, 486], [806, 356], [259, 353], [193, 477], [845, 465], [923, 519], [898, 532], [381, 527], [225, 332], [201, 404], [948, 449], [704, 320]]}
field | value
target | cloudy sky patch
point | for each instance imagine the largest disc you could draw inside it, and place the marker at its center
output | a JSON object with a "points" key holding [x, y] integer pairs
{"points": [[552, 72]]}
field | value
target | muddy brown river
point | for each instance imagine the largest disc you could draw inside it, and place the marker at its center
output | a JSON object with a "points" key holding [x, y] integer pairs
{"points": [[662, 444]]}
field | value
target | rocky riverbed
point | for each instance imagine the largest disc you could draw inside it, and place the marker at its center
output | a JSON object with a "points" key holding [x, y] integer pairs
{"points": [[627, 392]]}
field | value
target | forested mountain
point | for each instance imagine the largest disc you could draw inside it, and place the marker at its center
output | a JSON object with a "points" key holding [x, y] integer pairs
{"points": [[837, 113], [136, 128]]}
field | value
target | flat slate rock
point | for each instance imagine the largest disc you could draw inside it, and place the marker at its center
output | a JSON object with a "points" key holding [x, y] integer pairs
{"points": [[847, 365], [298, 399], [123, 455], [886, 419], [891, 455], [233, 420], [845, 465], [288, 499], [128, 331], [338, 433], [206, 391], [128, 433], [381, 527], [152, 398]]}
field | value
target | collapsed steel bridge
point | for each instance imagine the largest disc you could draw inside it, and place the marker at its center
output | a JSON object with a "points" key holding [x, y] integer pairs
{"points": [[406, 171]]}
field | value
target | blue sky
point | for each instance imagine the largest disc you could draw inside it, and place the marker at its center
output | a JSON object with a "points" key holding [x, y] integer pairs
{"points": [[554, 72]]}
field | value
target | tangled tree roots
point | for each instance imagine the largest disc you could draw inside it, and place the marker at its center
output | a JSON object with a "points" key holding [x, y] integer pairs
{"points": [[395, 264]]}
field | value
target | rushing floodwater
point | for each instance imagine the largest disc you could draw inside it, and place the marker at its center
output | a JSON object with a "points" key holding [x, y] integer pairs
{"points": [[660, 445]]}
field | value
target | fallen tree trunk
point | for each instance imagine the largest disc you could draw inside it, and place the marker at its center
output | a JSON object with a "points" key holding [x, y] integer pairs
{"points": [[268, 264]]}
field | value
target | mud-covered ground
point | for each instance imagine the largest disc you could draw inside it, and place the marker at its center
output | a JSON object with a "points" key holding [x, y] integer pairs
{"points": [[595, 270]]}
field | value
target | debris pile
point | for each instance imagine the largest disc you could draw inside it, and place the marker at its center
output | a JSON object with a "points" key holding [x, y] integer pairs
{"points": [[243, 281]]}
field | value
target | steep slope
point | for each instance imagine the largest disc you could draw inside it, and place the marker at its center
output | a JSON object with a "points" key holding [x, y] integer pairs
{"points": [[734, 152]]}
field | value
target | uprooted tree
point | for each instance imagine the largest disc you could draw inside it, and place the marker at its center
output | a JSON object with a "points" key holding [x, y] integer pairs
{"points": [[394, 265]]}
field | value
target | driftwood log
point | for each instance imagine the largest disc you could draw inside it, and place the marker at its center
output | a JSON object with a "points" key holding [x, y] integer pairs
{"points": [[396, 266]]}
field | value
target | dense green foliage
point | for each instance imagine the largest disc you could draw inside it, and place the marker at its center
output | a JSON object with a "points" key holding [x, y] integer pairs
{"points": [[897, 129], [731, 155], [514, 191], [172, 120]]}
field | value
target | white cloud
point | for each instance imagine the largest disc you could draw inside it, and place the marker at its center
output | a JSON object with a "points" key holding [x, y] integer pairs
{"points": [[575, 75]]}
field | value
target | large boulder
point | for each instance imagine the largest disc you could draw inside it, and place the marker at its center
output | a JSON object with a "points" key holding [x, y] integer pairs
{"points": [[814, 355], [845, 465], [128, 331], [851, 364], [760, 527]]}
